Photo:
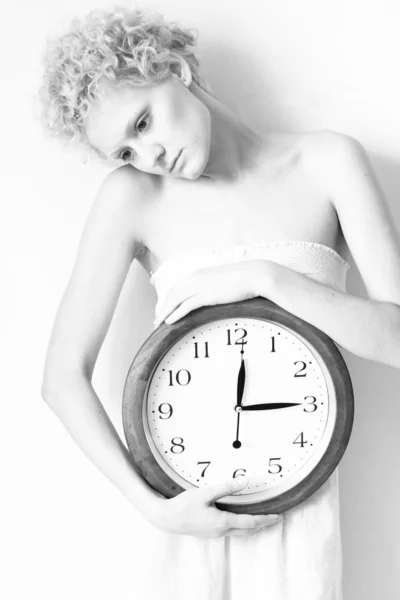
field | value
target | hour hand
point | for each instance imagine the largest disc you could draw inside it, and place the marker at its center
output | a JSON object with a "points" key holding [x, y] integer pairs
{"points": [[240, 382], [270, 405]]}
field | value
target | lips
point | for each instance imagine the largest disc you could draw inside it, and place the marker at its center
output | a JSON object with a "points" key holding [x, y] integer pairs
{"points": [[175, 161]]}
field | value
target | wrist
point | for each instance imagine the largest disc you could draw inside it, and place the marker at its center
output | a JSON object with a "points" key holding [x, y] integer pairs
{"points": [[137, 490], [154, 511], [266, 282], [148, 501]]}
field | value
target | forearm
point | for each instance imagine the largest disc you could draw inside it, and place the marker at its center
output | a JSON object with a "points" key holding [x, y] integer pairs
{"points": [[368, 328], [81, 412]]}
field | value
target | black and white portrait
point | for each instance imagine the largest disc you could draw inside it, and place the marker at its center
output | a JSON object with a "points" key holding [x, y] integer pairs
{"points": [[201, 333]]}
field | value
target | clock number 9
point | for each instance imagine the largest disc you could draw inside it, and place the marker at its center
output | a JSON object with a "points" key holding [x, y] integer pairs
{"points": [[169, 411]]}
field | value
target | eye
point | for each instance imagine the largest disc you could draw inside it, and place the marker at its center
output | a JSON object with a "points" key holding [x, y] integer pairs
{"points": [[124, 156], [145, 120]]}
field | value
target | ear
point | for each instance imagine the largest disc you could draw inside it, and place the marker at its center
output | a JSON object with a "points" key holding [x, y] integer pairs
{"points": [[180, 69]]}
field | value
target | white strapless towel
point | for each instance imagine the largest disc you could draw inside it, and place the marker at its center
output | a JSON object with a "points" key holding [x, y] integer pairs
{"points": [[297, 559], [317, 261]]}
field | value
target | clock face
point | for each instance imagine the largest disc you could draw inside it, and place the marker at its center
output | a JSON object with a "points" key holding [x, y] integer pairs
{"points": [[192, 422]]}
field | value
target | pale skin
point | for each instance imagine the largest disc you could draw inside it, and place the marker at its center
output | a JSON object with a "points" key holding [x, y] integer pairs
{"points": [[232, 186]]}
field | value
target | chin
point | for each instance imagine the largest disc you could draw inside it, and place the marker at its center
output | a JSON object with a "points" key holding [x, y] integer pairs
{"points": [[193, 175]]}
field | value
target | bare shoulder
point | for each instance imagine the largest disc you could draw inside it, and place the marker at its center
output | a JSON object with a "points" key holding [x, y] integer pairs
{"points": [[121, 200], [131, 177], [109, 243], [314, 152], [327, 151], [343, 166]]}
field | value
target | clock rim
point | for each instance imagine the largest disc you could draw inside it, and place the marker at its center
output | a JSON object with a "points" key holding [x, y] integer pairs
{"points": [[165, 336]]}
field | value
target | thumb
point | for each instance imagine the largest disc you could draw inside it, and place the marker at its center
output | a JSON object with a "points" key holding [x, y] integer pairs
{"points": [[220, 490]]}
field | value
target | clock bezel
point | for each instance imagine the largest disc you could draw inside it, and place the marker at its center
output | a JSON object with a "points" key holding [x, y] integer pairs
{"points": [[279, 487], [165, 336]]}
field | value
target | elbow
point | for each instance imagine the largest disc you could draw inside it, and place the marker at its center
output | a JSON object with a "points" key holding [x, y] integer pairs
{"points": [[46, 393], [49, 393], [55, 389], [51, 384], [392, 335]]}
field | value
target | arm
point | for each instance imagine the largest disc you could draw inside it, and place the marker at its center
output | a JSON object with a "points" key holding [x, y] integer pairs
{"points": [[370, 327], [107, 248]]}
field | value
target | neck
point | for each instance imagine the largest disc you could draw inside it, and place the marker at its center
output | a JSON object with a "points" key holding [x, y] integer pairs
{"points": [[235, 148]]}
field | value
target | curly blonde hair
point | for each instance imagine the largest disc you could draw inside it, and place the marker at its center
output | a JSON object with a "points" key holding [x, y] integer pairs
{"points": [[127, 46]]}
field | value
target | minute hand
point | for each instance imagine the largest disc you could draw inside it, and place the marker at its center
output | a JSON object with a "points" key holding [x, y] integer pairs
{"points": [[270, 405]]}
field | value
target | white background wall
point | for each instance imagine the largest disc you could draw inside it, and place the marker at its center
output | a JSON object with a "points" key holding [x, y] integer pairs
{"points": [[291, 65]]}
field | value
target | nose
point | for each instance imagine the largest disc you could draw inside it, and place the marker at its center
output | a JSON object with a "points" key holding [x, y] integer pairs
{"points": [[155, 156]]}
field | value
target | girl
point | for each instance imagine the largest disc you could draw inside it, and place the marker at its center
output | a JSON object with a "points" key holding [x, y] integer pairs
{"points": [[215, 212]]}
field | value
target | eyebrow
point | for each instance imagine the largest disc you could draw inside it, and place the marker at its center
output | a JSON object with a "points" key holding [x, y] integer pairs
{"points": [[128, 127]]}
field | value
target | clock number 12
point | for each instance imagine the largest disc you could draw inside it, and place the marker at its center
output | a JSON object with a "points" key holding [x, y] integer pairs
{"points": [[240, 340]]}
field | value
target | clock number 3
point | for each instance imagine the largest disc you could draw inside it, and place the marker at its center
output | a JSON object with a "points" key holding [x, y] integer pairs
{"points": [[311, 404]]}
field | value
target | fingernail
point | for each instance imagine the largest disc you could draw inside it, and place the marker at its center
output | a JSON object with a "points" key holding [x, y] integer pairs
{"points": [[241, 480], [277, 519]]}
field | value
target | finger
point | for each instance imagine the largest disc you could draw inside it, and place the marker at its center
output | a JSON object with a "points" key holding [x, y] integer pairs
{"points": [[172, 303], [250, 522], [220, 490], [186, 307], [242, 532], [166, 311], [178, 292]]}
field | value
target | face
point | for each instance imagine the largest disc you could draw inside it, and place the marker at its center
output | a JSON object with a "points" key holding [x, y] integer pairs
{"points": [[149, 126]]}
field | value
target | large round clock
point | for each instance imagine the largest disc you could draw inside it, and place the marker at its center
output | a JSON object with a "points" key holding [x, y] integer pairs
{"points": [[239, 388]]}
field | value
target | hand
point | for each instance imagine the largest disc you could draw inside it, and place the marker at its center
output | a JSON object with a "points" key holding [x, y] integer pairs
{"points": [[212, 285], [191, 513], [240, 389], [271, 405]]}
